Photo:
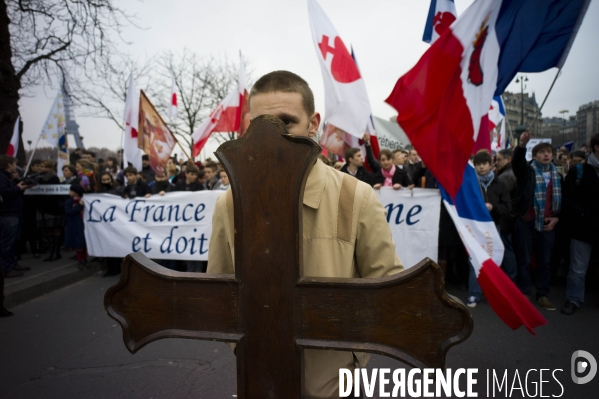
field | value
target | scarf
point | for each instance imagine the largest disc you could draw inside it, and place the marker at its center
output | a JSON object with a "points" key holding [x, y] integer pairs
{"points": [[485, 181], [388, 176], [85, 174], [594, 162], [540, 192]]}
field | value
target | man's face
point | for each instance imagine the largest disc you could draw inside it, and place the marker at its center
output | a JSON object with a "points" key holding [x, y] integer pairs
{"points": [[287, 107], [356, 160], [86, 157], [544, 156], [414, 156], [161, 177], [501, 161], [191, 177], [145, 163], [12, 167], [399, 158], [483, 169], [131, 178], [210, 173], [35, 168], [576, 161]]}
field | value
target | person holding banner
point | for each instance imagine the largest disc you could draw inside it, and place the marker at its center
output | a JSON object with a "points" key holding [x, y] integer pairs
{"points": [[74, 237], [135, 186], [109, 186], [390, 175]]}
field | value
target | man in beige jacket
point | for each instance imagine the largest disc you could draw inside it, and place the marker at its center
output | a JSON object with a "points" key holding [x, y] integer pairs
{"points": [[345, 232]]}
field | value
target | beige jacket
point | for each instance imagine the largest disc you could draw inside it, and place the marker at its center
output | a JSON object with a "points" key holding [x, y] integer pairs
{"points": [[345, 234]]}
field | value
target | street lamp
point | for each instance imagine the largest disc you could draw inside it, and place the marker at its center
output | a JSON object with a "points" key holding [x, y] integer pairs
{"points": [[564, 111], [521, 79], [29, 142]]}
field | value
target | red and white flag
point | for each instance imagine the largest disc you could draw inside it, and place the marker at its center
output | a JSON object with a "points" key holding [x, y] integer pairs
{"points": [[131, 152], [228, 116], [346, 100], [13, 146], [173, 106]]}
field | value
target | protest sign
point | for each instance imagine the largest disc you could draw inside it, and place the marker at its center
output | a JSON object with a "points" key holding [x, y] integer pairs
{"points": [[178, 225], [49, 189], [531, 144], [174, 226], [414, 222]]}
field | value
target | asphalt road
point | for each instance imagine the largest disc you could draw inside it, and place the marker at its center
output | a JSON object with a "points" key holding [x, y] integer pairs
{"points": [[63, 345]]}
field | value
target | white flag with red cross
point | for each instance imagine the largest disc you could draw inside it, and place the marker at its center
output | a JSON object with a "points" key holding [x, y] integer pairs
{"points": [[346, 101], [173, 106], [13, 146], [131, 152]]}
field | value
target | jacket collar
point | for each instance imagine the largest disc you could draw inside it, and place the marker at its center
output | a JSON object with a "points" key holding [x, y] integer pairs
{"points": [[315, 185]]}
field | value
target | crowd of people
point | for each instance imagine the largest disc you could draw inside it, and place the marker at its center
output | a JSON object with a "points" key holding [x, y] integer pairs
{"points": [[46, 225], [546, 211]]}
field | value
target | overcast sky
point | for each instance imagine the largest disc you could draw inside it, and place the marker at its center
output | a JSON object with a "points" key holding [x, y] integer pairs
{"points": [[275, 34]]}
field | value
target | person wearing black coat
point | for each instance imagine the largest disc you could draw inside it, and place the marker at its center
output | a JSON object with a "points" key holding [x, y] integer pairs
{"points": [[135, 186], [108, 185], [162, 185], [538, 204], [581, 211], [400, 177], [74, 237], [354, 164]]}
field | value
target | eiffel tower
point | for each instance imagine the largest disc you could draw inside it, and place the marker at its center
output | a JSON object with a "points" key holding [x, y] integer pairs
{"points": [[71, 125]]}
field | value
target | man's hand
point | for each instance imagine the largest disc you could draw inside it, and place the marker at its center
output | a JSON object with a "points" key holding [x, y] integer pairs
{"points": [[377, 186], [366, 139], [524, 139], [397, 186], [551, 225], [411, 186], [147, 195], [489, 206], [22, 186], [161, 193]]}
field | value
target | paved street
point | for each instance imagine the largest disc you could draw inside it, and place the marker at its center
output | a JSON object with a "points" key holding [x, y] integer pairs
{"points": [[63, 345]]}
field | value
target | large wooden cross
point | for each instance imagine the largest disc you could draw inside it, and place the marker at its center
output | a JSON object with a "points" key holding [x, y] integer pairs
{"points": [[267, 308]]}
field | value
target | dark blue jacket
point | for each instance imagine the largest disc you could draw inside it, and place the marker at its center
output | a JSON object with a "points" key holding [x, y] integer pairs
{"points": [[74, 237], [12, 201]]}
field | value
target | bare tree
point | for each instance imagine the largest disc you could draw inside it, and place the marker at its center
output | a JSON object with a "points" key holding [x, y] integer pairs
{"points": [[41, 40], [202, 83]]}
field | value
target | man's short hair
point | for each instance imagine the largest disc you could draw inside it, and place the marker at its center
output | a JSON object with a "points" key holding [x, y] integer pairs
{"points": [[507, 153], [542, 147], [130, 170], [482, 157], [386, 153], [396, 151], [286, 82], [211, 165], [90, 153], [201, 174], [594, 142], [350, 153], [37, 161], [145, 157], [6, 160], [192, 169], [579, 154], [48, 163]]}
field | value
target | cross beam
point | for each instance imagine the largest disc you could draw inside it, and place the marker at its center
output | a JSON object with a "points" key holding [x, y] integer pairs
{"points": [[267, 309]]}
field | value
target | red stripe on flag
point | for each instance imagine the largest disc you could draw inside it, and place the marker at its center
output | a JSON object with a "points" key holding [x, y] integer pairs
{"points": [[174, 100], [483, 141], [433, 112], [197, 147], [506, 299], [10, 151], [229, 120]]}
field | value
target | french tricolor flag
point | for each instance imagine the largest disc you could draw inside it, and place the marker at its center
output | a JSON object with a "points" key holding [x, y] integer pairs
{"points": [[441, 15], [443, 102], [485, 248]]}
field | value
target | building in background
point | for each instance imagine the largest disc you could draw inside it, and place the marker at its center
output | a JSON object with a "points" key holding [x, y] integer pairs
{"points": [[513, 112], [588, 119], [561, 130]]}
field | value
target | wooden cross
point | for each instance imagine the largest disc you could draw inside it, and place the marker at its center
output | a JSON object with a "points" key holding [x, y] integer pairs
{"points": [[266, 308]]}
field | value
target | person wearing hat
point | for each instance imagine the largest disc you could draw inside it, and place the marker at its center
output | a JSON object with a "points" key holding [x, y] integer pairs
{"points": [[74, 235]]}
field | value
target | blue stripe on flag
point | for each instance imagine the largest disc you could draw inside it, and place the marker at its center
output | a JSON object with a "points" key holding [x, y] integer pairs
{"points": [[500, 102], [428, 28], [469, 201]]}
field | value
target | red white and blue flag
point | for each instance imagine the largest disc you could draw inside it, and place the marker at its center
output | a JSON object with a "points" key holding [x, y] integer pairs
{"points": [[443, 102], [441, 15], [497, 116], [485, 248], [13, 146]]}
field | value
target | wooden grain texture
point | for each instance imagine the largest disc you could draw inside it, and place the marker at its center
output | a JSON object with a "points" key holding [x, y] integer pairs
{"points": [[267, 309]]}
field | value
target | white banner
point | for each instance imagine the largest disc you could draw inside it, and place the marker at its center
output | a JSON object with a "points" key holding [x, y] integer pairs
{"points": [[49, 189], [179, 225], [174, 226], [414, 220]]}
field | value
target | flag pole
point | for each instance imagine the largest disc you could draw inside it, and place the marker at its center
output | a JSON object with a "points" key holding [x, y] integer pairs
{"points": [[559, 72], [32, 154]]}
